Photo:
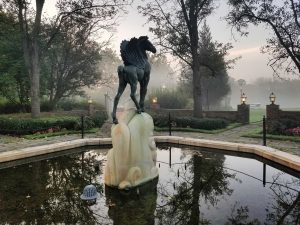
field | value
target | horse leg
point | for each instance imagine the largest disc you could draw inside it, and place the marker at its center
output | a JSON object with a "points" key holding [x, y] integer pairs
{"points": [[122, 86], [143, 91], [133, 87]]}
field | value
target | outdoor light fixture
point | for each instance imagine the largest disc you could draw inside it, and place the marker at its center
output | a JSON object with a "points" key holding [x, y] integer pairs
{"points": [[243, 98], [154, 100], [90, 101], [272, 98]]}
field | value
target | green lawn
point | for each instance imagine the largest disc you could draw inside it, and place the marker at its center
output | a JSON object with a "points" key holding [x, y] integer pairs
{"points": [[256, 115]]}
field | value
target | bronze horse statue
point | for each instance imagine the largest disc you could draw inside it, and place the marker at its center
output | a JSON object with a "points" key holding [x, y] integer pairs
{"points": [[136, 69]]}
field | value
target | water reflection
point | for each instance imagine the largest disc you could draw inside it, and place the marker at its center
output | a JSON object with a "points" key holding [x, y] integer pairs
{"points": [[202, 177], [47, 192], [136, 206], [193, 188]]}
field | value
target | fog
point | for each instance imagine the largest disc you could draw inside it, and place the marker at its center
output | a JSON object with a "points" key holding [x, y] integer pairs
{"points": [[287, 92]]}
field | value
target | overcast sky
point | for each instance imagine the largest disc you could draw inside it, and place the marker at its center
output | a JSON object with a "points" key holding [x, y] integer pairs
{"points": [[252, 65]]}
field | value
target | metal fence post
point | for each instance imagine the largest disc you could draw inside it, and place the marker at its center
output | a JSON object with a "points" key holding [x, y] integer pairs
{"points": [[82, 126], [170, 125], [264, 132]]}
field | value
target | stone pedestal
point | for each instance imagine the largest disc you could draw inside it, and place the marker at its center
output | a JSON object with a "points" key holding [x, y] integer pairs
{"points": [[132, 159], [273, 115], [91, 110], [273, 112], [243, 113]]}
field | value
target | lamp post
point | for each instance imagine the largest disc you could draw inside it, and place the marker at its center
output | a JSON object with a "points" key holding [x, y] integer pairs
{"points": [[243, 98], [154, 104], [154, 100], [272, 98], [90, 109]]}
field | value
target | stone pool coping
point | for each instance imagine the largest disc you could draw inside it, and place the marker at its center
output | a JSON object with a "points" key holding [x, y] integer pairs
{"points": [[282, 158]]}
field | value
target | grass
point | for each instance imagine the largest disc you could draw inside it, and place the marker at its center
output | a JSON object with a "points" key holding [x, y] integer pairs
{"points": [[59, 133], [230, 126], [257, 133], [256, 115]]}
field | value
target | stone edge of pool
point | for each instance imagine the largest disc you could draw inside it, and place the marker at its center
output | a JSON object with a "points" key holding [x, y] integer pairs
{"points": [[283, 158]]}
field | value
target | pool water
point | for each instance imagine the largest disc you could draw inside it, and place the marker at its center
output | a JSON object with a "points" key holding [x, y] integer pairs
{"points": [[195, 186]]}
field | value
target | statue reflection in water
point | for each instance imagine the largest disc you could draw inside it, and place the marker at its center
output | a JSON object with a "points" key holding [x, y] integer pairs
{"points": [[135, 206]]}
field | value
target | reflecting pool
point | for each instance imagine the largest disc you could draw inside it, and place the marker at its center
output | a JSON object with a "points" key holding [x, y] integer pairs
{"points": [[195, 186]]}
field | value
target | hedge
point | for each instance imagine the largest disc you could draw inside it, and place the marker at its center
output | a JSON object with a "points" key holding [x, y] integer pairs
{"points": [[22, 126], [192, 122]]}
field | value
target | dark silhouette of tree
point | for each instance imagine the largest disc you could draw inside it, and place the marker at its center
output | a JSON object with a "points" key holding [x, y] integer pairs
{"points": [[214, 88], [48, 192], [100, 13], [176, 25], [283, 18], [70, 63], [13, 82], [202, 179]]}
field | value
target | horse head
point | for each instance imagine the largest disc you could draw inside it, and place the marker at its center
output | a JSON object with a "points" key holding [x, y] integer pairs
{"points": [[146, 45]]}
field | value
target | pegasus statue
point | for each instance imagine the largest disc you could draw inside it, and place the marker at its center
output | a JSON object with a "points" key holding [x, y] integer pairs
{"points": [[136, 69]]}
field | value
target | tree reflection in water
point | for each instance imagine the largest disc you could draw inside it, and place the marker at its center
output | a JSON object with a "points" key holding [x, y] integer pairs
{"points": [[285, 210], [204, 178], [47, 192]]}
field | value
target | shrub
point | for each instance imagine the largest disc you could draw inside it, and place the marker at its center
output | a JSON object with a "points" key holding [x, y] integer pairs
{"points": [[293, 131], [8, 107], [160, 121], [197, 123], [208, 123], [280, 126], [22, 126]]}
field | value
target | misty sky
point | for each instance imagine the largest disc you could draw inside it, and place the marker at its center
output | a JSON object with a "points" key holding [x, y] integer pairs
{"points": [[252, 65]]}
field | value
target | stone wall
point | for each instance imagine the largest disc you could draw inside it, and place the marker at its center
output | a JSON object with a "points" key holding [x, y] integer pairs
{"points": [[274, 114]]}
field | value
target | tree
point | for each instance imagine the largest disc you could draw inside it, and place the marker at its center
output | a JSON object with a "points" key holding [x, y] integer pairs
{"points": [[30, 21], [283, 19], [176, 25], [13, 82], [214, 54], [70, 63]]}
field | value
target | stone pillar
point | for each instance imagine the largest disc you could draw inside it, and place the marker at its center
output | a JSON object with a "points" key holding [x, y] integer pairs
{"points": [[273, 115], [273, 112], [243, 113], [91, 109]]}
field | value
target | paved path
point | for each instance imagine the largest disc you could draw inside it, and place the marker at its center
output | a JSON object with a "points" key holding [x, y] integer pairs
{"points": [[234, 135]]}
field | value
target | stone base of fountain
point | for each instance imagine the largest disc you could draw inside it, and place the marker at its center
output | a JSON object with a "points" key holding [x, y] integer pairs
{"points": [[131, 161]]}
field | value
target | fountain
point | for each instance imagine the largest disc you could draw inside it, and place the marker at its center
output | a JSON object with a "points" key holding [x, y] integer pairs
{"points": [[131, 161]]}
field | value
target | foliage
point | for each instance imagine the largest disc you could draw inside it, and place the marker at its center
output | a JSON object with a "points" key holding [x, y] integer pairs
{"points": [[192, 122], [293, 131], [8, 107], [21, 126], [13, 80], [214, 88], [96, 15], [70, 63], [169, 99], [283, 19], [176, 26], [282, 125]]}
